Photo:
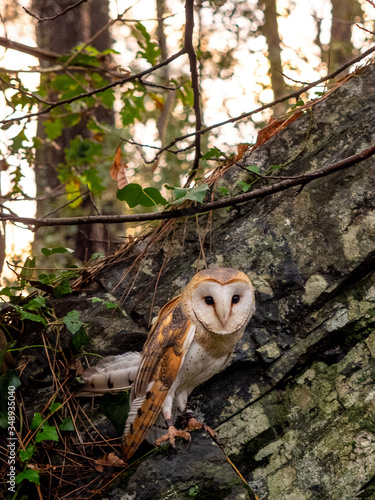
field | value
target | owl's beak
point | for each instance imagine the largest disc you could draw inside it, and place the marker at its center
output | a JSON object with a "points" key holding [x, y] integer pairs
{"points": [[223, 316]]}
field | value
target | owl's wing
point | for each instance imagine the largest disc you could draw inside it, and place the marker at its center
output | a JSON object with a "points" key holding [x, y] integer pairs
{"points": [[162, 356]]}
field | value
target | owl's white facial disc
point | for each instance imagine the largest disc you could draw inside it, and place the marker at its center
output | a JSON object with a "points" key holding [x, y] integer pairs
{"points": [[223, 309]]}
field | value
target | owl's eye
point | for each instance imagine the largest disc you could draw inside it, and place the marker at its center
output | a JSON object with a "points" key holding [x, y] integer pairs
{"points": [[209, 300], [235, 299]]}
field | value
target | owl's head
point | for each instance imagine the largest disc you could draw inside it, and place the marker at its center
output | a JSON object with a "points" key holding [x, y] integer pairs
{"points": [[222, 300]]}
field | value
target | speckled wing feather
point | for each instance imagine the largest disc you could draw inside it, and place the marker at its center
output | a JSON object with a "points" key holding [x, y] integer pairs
{"points": [[162, 356]]}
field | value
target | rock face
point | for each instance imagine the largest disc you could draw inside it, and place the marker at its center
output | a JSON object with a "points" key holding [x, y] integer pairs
{"points": [[201, 472], [296, 406]]}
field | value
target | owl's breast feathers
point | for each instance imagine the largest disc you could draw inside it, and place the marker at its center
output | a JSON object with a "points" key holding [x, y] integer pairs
{"points": [[162, 357]]}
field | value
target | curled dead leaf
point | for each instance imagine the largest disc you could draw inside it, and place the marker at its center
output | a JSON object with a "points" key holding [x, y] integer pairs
{"points": [[241, 150], [118, 170], [273, 128], [111, 460]]}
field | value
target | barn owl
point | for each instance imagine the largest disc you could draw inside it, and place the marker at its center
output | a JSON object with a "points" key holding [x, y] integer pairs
{"points": [[192, 339]]}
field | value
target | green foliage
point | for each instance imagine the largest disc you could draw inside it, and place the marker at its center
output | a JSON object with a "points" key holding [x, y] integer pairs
{"points": [[212, 153], [148, 49], [82, 152], [72, 321], [108, 304], [116, 408], [253, 168], [135, 195], [134, 106], [51, 251], [47, 433], [29, 474], [76, 327], [197, 194], [66, 424], [27, 453]]}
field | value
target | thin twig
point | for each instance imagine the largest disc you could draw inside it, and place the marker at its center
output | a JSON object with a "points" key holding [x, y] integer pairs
{"points": [[214, 205], [364, 29], [189, 47], [52, 18]]}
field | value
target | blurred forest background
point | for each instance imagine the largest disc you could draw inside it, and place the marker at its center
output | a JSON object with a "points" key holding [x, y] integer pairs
{"points": [[69, 159]]}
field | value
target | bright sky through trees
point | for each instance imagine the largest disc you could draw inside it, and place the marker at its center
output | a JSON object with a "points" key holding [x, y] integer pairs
{"points": [[247, 85]]}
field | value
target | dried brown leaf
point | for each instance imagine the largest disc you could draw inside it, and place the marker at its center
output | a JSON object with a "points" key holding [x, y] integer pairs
{"points": [[118, 170], [111, 460]]}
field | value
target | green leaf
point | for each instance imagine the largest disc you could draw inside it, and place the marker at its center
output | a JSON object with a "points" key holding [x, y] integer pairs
{"points": [[253, 168], [17, 141], [96, 299], [135, 195], [63, 288], [35, 304], [47, 278], [108, 98], [197, 193], [132, 109], [28, 453], [48, 433], [37, 420], [30, 316], [116, 408], [54, 407], [150, 51], [244, 186], [72, 321], [212, 153], [50, 251], [27, 270], [66, 424], [53, 128], [111, 305], [29, 474], [7, 291], [80, 338], [223, 190], [82, 152], [93, 180]]}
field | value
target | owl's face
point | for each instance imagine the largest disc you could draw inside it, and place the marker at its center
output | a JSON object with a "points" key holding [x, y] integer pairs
{"points": [[222, 300]]}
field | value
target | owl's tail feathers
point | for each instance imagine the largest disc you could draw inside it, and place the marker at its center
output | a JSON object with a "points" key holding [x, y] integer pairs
{"points": [[112, 374]]}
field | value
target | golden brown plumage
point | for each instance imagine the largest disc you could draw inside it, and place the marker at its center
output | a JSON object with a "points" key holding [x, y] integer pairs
{"points": [[192, 339]]}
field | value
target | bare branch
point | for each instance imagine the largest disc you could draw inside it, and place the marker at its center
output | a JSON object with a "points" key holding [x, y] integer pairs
{"points": [[364, 29], [52, 18], [32, 51], [299, 180]]}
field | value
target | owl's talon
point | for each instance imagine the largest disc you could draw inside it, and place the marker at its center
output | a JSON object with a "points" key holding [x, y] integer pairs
{"points": [[194, 424], [171, 437]]}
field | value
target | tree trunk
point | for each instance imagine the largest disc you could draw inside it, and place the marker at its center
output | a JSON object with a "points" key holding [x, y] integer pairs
{"points": [[61, 35], [344, 13], [271, 32]]}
